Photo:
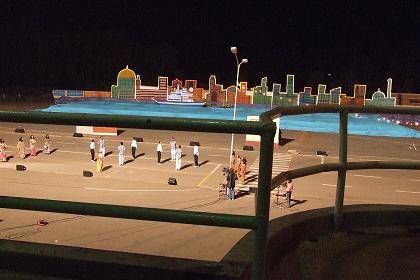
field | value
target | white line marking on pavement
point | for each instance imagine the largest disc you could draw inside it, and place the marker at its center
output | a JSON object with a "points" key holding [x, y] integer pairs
{"points": [[414, 180], [66, 143], [407, 192], [217, 155], [367, 176], [208, 175], [114, 190], [332, 185]]}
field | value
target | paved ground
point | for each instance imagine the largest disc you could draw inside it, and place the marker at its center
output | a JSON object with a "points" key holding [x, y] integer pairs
{"points": [[144, 183]]}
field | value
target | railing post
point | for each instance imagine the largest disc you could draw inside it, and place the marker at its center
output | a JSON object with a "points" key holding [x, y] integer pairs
{"points": [[341, 179], [262, 205]]}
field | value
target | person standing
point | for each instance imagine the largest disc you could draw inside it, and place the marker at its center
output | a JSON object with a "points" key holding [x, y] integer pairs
{"points": [[121, 151], [21, 148], [196, 153], [102, 145], [159, 150], [243, 171], [230, 178], [238, 166], [100, 162], [92, 150], [233, 160], [133, 147], [3, 148], [289, 190], [173, 148], [47, 144], [32, 143], [178, 157]]}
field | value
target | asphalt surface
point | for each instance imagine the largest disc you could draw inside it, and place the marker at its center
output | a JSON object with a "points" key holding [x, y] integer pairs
{"points": [[142, 182]]}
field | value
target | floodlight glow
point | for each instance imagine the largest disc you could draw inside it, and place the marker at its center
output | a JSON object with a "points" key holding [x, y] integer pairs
{"points": [[416, 123], [398, 122], [244, 60], [233, 50]]}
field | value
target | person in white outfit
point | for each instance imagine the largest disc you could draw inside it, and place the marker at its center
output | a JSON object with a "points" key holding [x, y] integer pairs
{"points": [[102, 145], [196, 153], [173, 148], [159, 150], [178, 156], [92, 150], [121, 151], [133, 147]]}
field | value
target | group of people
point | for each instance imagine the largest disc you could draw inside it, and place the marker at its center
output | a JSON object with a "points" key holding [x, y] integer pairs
{"points": [[237, 170], [176, 153], [238, 165], [20, 147], [100, 156]]}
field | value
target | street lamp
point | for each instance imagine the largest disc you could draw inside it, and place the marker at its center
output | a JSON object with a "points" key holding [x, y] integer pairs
{"points": [[234, 50]]}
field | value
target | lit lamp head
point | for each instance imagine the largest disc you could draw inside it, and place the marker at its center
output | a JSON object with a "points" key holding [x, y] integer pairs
{"points": [[233, 50], [244, 60]]}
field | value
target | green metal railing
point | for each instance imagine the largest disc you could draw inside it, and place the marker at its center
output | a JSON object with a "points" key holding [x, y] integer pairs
{"points": [[343, 165], [257, 223], [265, 128]]}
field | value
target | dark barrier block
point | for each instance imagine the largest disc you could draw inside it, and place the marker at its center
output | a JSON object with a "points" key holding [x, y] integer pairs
{"points": [[87, 173], [248, 148], [192, 143], [77, 134], [139, 139], [172, 181], [321, 153], [20, 130], [20, 167]]}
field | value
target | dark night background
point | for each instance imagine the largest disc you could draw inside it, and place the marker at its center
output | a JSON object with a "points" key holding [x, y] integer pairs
{"points": [[83, 44]]}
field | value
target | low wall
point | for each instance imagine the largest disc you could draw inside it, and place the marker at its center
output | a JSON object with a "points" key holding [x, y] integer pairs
{"points": [[287, 231]]}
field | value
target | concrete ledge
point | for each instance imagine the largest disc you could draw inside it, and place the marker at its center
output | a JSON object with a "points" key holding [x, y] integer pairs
{"points": [[289, 230], [66, 262]]}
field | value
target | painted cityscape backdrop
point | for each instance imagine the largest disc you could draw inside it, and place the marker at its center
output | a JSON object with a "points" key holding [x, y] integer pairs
{"points": [[129, 87]]}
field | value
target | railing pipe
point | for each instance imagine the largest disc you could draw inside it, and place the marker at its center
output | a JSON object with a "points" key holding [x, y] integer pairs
{"points": [[142, 122], [263, 202], [328, 167], [295, 110], [129, 212], [341, 179]]}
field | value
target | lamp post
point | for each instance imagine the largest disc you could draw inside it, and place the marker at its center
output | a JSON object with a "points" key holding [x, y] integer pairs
{"points": [[234, 50]]}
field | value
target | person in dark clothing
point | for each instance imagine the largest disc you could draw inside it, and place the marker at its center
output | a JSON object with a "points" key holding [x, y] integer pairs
{"points": [[231, 177]]}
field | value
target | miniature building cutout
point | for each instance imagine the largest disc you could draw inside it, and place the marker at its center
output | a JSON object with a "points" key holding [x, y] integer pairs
{"points": [[216, 93], [335, 94], [126, 85], [288, 98], [259, 93], [379, 99], [306, 98], [358, 96], [323, 97]]}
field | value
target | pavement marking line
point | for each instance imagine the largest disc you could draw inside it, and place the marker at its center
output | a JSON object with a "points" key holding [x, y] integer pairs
{"points": [[400, 191], [333, 185], [414, 180], [114, 190], [66, 143], [367, 176], [208, 175], [218, 155]]}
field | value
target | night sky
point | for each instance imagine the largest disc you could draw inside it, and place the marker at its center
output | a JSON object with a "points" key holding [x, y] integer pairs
{"points": [[83, 44]]}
